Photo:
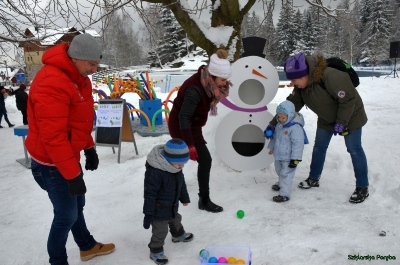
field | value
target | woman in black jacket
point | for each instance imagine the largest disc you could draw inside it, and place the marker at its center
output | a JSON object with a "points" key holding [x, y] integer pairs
{"points": [[3, 111], [21, 98]]}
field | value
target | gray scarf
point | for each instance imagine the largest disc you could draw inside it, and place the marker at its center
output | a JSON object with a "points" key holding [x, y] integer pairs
{"points": [[156, 159]]}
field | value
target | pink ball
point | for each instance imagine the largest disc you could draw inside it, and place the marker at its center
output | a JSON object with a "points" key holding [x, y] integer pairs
{"points": [[222, 260]]}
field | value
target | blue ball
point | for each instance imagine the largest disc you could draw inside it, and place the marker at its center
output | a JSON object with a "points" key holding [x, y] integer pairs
{"points": [[212, 260], [268, 133]]}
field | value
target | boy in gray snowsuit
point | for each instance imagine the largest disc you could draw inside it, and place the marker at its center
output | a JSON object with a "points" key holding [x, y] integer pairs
{"points": [[287, 147], [164, 188]]}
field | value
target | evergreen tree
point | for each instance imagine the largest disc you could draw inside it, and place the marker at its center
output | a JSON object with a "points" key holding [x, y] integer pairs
{"points": [[299, 31], [268, 32], [245, 28], [253, 25], [120, 46], [395, 6], [173, 43], [378, 29], [308, 41], [285, 31]]}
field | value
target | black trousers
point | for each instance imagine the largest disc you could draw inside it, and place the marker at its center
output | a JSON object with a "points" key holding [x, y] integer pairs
{"points": [[24, 117], [203, 171]]}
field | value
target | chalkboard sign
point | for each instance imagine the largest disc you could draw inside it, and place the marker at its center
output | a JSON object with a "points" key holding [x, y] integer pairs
{"points": [[113, 124], [108, 136]]}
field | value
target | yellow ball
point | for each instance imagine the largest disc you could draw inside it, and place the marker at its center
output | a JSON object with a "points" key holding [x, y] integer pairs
{"points": [[240, 261], [231, 260]]}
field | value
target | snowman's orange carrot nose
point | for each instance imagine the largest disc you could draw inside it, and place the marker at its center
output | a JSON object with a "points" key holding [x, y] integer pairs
{"points": [[258, 73]]}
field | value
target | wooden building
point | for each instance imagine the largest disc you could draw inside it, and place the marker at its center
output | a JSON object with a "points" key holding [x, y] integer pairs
{"points": [[41, 39]]}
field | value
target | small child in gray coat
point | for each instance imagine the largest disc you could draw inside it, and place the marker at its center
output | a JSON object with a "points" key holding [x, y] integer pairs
{"points": [[164, 188], [287, 147]]}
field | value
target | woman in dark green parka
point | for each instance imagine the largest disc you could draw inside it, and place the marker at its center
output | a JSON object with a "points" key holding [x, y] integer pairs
{"points": [[340, 111]]}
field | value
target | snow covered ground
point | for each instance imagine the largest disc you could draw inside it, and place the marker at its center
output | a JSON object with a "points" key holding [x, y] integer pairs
{"points": [[317, 226]]}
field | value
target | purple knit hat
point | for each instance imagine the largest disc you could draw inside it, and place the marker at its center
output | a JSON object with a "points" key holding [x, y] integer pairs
{"points": [[296, 67]]}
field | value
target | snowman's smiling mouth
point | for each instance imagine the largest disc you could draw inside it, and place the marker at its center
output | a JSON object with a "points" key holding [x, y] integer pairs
{"points": [[232, 106]]}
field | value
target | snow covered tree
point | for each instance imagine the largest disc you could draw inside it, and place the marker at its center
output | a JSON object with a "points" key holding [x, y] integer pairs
{"points": [[120, 47], [308, 40], [285, 31], [268, 32], [378, 31]]}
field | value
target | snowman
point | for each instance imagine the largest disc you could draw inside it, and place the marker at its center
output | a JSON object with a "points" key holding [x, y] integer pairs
{"points": [[239, 139]]}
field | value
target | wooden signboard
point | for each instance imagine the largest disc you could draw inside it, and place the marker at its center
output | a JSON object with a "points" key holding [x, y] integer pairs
{"points": [[113, 125]]}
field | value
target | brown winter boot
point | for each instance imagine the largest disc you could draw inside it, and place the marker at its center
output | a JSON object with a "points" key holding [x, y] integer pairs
{"points": [[97, 250]]}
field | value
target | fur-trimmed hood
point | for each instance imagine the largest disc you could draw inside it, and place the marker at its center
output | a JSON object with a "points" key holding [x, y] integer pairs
{"points": [[316, 67]]}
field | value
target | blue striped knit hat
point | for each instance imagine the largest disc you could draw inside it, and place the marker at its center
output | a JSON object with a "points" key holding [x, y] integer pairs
{"points": [[176, 151]]}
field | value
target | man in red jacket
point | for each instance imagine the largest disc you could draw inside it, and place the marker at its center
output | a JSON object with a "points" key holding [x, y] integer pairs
{"points": [[60, 111]]}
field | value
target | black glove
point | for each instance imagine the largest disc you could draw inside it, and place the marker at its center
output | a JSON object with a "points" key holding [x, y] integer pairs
{"points": [[293, 163], [77, 186], [148, 219], [92, 160]]}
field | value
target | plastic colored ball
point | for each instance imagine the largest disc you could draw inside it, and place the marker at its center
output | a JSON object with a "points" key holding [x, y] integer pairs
{"points": [[222, 260], [203, 253], [240, 261], [268, 133], [240, 214], [231, 260], [212, 260]]}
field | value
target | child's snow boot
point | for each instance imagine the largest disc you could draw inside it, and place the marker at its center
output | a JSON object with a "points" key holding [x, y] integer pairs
{"points": [[186, 237], [280, 198], [97, 250], [309, 183], [159, 258], [359, 195], [276, 186]]}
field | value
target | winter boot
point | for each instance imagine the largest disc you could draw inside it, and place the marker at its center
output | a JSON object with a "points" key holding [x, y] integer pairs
{"points": [[8, 122], [206, 204], [186, 237], [280, 198], [276, 186], [309, 183], [359, 195], [98, 249], [159, 258]]}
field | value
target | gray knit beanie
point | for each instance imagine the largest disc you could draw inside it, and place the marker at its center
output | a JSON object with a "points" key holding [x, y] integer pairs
{"points": [[85, 47]]}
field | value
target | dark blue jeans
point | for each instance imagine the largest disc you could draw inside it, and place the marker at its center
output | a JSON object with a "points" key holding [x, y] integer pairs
{"points": [[354, 147], [68, 214]]}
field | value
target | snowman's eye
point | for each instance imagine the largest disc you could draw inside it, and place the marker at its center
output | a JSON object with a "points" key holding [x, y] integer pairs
{"points": [[246, 66], [259, 67]]}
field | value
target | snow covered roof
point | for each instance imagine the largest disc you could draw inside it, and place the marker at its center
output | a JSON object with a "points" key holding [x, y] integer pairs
{"points": [[55, 34]]}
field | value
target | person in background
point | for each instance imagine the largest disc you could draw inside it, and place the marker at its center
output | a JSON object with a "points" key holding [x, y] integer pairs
{"points": [[340, 111], [287, 147], [21, 99], [3, 110], [164, 187], [198, 96], [60, 111]]}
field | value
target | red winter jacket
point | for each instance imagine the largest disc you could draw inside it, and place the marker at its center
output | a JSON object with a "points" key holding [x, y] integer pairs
{"points": [[60, 111]]}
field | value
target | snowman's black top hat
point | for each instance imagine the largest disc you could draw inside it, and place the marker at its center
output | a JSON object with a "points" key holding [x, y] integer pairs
{"points": [[253, 46]]}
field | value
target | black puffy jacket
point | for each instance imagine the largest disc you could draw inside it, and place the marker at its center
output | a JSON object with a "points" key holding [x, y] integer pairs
{"points": [[162, 192]]}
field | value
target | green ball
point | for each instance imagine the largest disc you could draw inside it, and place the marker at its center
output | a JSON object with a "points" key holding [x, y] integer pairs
{"points": [[201, 251], [240, 214]]}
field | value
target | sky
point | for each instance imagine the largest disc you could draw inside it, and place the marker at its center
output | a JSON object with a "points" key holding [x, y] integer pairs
{"points": [[317, 226]]}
